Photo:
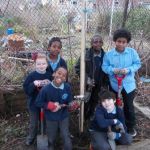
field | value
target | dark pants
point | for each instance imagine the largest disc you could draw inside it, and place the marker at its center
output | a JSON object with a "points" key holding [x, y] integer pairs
{"points": [[33, 125], [52, 130], [99, 140], [125, 139], [128, 108], [91, 104]]}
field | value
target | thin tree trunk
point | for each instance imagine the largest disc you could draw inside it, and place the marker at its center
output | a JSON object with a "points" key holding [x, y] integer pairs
{"points": [[125, 13]]}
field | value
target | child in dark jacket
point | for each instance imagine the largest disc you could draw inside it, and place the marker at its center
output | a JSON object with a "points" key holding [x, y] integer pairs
{"points": [[54, 58], [32, 85], [108, 115], [95, 77], [53, 98]]}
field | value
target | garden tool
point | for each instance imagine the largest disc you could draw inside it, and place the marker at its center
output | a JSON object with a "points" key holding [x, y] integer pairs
{"points": [[119, 80], [112, 143], [42, 140]]}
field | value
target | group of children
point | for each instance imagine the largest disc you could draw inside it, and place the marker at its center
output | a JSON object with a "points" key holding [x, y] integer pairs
{"points": [[47, 88]]}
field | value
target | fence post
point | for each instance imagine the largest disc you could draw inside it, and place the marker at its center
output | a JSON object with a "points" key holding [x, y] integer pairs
{"points": [[82, 64]]}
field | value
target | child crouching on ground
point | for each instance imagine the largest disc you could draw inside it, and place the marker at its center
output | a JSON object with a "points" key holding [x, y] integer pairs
{"points": [[54, 98], [108, 115]]}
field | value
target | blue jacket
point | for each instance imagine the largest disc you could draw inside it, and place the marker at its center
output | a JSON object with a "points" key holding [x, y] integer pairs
{"points": [[31, 90], [54, 94], [102, 119], [128, 59], [60, 63]]}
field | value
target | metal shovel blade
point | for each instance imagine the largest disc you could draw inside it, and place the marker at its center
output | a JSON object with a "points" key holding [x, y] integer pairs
{"points": [[42, 142], [112, 144]]}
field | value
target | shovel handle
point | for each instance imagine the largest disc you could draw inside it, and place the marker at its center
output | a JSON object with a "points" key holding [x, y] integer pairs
{"points": [[42, 121]]}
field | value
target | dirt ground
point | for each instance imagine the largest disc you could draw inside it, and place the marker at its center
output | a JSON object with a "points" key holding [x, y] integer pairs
{"points": [[13, 133]]}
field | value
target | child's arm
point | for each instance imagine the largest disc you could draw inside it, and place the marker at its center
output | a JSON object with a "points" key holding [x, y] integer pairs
{"points": [[29, 86], [121, 118], [102, 122], [106, 67], [136, 63], [41, 101]]}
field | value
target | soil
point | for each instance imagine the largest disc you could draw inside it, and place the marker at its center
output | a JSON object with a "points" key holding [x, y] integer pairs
{"points": [[13, 132]]}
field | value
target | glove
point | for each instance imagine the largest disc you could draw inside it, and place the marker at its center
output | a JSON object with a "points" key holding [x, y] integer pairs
{"points": [[74, 105], [113, 135], [53, 106], [57, 107], [120, 127]]}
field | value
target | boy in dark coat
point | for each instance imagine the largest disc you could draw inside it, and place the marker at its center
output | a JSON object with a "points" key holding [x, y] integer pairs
{"points": [[53, 98], [95, 77], [108, 115]]}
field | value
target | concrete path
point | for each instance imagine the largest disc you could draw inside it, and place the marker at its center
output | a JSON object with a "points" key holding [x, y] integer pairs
{"points": [[142, 145]]}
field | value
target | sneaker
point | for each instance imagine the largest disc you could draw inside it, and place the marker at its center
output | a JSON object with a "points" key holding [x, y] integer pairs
{"points": [[132, 132]]}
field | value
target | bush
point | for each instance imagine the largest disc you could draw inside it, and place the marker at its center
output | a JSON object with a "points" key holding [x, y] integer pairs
{"points": [[138, 22]]}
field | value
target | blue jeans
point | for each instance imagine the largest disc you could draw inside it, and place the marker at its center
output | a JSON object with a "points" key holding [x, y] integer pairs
{"points": [[52, 129]]}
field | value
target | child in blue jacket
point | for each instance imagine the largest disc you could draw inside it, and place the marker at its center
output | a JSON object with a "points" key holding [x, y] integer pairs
{"points": [[32, 85], [53, 98], [107, 115], [124, 61]]}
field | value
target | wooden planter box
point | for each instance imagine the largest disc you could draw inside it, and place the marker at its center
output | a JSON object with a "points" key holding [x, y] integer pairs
{"points": [[12, 102]]}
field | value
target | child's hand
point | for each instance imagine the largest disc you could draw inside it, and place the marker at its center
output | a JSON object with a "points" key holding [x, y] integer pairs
{"points": [[124, 71], [74, 105], [37, 83], [45, 82], [117, 122], [116, 71], [111, 135], [120, 127]]}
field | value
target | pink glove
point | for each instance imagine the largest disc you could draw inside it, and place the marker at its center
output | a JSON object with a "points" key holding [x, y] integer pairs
{"points": [[51, 106], [74, 105]]}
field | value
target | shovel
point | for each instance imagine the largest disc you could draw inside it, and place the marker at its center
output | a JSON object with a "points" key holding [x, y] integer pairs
{"points": [[112, 143], [119, 80], [42, 140]]}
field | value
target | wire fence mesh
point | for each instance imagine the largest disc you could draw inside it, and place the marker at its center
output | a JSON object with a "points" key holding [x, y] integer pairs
{"points": [[34, 22]]}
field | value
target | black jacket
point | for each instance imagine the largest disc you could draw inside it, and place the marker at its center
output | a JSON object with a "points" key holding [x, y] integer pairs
{"points": [[100, 78]]}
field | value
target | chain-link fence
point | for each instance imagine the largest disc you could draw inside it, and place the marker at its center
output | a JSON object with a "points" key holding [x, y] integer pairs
{"points": [[36, 21]]}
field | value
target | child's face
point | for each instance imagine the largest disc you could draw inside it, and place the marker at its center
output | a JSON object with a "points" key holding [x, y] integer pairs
{"points": [[108, 104], [60, 76], [97, 43], [41, 64], [55, 48], [121, 43]]}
